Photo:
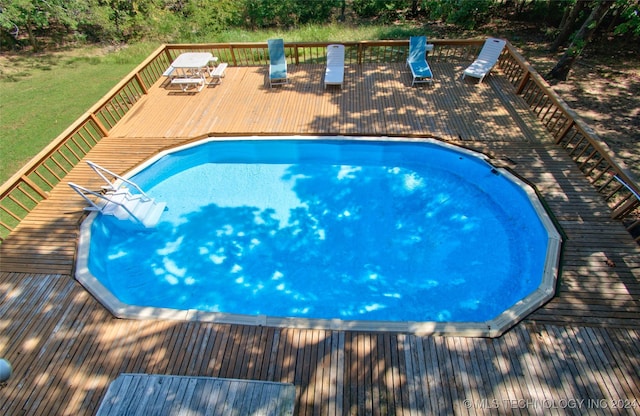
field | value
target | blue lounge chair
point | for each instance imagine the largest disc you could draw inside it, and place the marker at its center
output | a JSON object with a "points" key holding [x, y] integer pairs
{"points": [[277, 63], [417, 60]]}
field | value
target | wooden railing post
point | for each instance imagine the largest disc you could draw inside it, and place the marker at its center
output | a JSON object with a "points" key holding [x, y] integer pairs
{"points": [[523, 82], [232, 52], [99, 125], [141, 84], [168, 55], [35, 187], [565, 131]]}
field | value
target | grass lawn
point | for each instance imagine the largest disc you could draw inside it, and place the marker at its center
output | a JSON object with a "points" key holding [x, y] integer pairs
{"points": [[41, 95]]}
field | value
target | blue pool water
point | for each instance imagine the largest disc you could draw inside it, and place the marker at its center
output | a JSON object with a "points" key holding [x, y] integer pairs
{"points": [[362, 230]]}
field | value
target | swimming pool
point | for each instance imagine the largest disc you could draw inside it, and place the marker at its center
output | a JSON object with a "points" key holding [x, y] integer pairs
{"points": [[356, 233]]}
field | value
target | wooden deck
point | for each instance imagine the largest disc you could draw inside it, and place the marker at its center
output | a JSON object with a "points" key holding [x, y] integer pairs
{"points": [[582, 345]]}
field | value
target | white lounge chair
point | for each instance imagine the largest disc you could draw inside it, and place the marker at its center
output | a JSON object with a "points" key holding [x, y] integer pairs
{"points": [[417, 60], [486, 60], [334, 74], [277, 62]]}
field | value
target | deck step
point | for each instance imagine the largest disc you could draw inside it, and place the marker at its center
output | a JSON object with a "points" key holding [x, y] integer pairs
{"points": [[135, 208], [153, 213]]}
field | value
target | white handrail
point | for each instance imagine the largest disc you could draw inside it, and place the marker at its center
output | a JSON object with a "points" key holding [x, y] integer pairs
{"points": [[99, 170], [83, 192]]}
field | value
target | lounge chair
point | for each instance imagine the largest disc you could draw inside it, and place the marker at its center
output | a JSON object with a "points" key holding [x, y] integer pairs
{"points": [[486, 60], [334, 74], [277, 62], [417, 60]]}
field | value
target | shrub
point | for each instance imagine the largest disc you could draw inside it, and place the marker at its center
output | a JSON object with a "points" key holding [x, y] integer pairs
{"points": [[464, 13]]}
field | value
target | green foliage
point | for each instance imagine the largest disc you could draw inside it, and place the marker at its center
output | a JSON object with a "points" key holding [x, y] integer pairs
{"points": [[29, 17], [96, 25], [398, 32], [467, 14], [128, 18], [37, 23], [93, 20], [384, 10], [287, 13], [267, 13], [333, 32], [548, 12], [630, 12], [199, 19]]}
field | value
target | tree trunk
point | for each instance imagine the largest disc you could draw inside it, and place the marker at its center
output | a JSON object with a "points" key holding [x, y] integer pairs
{"points": [[414, 7], [568, 26], [32, 37], [565, 17], [580, 41]]}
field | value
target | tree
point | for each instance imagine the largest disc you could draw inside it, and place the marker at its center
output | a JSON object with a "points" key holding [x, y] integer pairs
{"points": [[129, 18], [25, 16], [569, 24], [630, 12], [51, 19], [582, 38]]}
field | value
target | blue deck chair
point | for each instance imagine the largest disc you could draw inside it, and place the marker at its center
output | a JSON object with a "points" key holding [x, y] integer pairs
{"points": [[417, 60], [277, 63]]}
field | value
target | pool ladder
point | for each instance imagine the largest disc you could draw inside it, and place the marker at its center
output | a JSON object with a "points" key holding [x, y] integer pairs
{"points": [[118, 200]]}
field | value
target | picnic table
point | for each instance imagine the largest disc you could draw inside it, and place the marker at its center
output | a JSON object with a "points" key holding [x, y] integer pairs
{"points": [[190, 69]]}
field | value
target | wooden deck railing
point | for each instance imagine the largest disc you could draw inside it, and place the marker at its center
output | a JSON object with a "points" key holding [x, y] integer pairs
{"points": [[20, 194], [613, 181]]}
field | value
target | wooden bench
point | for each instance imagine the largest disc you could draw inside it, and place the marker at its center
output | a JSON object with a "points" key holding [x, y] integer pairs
{"points": [[217, 73], [185, 83]]}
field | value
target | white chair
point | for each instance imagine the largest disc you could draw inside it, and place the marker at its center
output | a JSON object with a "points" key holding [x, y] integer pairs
{"points": [[486, 60], [334, 74]]}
